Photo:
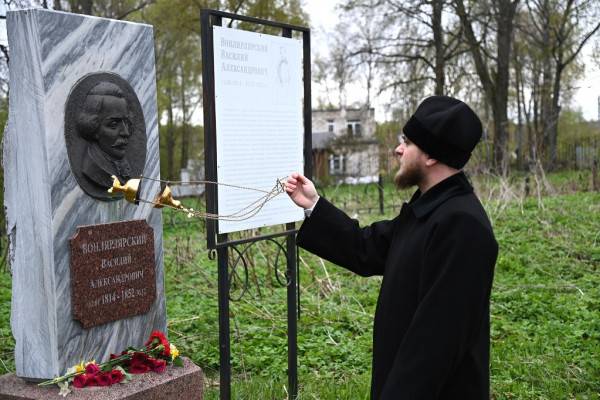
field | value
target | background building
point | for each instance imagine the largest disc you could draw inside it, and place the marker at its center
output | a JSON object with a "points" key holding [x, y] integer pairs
{"points": [[344, 145]]}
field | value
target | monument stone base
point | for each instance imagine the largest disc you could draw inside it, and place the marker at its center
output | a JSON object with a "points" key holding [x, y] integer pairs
{"points": [[175, 383]]}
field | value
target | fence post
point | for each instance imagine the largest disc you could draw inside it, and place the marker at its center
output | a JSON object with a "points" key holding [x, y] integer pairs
{"points": [[595, 175], [380, 190], [528, 178]]}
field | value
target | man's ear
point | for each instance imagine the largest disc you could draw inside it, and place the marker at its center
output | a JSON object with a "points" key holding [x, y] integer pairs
{"points": [[431, 162]]}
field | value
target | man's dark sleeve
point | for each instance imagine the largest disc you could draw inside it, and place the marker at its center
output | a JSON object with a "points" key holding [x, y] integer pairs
{"points": [[332, 235], [454, 292]]}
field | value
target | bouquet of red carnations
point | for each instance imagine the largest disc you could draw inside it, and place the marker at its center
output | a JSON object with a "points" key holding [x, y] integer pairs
{"points": [[155, 356]]}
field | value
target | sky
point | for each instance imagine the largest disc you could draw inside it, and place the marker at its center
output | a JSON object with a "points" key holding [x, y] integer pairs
{"points": [[3, 38], [323, 19]]}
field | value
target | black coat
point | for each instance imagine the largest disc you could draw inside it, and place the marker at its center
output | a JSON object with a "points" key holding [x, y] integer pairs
{"points": [[431, 332]]}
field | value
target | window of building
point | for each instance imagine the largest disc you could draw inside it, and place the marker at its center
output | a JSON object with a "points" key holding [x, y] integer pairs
{"points": [[337, 164], [354, 128], [330, 125]]}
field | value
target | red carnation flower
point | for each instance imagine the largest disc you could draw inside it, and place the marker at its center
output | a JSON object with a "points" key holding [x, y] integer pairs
{"points": [[116, 376], [92, 380], [92, 369], [104, 379], [159, 366], [139, 357], [80, 381], [157, 338], [158, 335], [138, 368]]}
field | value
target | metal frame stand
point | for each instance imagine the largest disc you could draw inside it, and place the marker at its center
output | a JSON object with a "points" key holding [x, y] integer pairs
{"points": [[221, 242]]}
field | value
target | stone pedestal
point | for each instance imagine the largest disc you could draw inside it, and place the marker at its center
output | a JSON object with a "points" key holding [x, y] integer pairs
{"points": [[174, 384], [50, 53]]}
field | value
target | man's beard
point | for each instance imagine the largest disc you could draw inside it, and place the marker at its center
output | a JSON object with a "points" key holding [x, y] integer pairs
{"points": [[410, 176]]}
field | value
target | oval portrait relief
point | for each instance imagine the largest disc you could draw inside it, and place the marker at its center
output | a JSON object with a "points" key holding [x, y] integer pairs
{"points": [[105, 133]]}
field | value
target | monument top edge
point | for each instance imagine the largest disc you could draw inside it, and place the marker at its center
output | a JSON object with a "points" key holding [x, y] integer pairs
{"points": [[43, 10]]}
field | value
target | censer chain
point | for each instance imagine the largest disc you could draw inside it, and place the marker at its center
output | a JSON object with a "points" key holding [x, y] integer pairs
{"points": [[243, 214], [279, 181]]}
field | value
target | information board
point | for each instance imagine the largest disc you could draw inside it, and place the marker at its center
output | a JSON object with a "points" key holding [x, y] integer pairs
{"points": [[258, 121]]}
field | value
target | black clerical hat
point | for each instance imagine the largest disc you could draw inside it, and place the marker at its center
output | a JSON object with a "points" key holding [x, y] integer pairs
{"points": [[446, 129]]}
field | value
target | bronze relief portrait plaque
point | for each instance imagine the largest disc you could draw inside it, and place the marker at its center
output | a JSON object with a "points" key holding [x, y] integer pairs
{"points": [[105, 133]]}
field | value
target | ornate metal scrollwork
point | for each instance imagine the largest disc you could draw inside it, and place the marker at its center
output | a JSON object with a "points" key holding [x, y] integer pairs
{"points": [[280, 249], [212, 254], [235, 282], [239, 265]]}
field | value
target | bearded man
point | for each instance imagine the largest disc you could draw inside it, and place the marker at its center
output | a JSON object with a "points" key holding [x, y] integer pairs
{"points": [[431, 333]]}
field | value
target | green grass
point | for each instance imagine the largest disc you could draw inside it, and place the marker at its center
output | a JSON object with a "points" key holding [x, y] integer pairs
{"points": [[545, 303]]}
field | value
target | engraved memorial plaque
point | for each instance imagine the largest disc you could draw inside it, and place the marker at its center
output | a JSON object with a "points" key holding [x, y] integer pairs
{"points": [[112, 271]]}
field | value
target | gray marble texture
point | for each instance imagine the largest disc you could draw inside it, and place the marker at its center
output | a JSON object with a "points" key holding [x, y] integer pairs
{"points": [[50, 52]]}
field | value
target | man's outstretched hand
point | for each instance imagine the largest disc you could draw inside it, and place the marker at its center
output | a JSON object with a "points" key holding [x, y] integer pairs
{"points": [[301, 190]]}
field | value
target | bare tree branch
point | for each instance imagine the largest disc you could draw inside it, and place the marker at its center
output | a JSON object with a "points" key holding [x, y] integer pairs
{"points": [[140, 6]]}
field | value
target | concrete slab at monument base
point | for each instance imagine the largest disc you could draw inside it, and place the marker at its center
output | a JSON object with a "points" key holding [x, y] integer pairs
{"points": [[173, 384]]}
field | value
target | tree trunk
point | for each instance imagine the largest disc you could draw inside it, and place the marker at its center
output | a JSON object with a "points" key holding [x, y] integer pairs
{"points": [[81, 6], [500, 136], [505, 23], [520, 107], [546, 92], [473, 43], [87, 6], [170, 134], [438, 38], [534, 139], [496, 90], [185, 136], [553, 119], [531, 142]]}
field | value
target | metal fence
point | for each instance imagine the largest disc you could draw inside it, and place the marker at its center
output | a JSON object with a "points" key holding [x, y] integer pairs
{"points": [[571, 154]]}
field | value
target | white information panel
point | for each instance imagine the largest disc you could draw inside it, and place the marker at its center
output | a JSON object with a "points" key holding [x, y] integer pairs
{"points": [[259, 125]]}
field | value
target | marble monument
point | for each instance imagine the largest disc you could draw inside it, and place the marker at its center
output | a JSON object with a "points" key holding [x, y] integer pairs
{"points": [[50, 192]]}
